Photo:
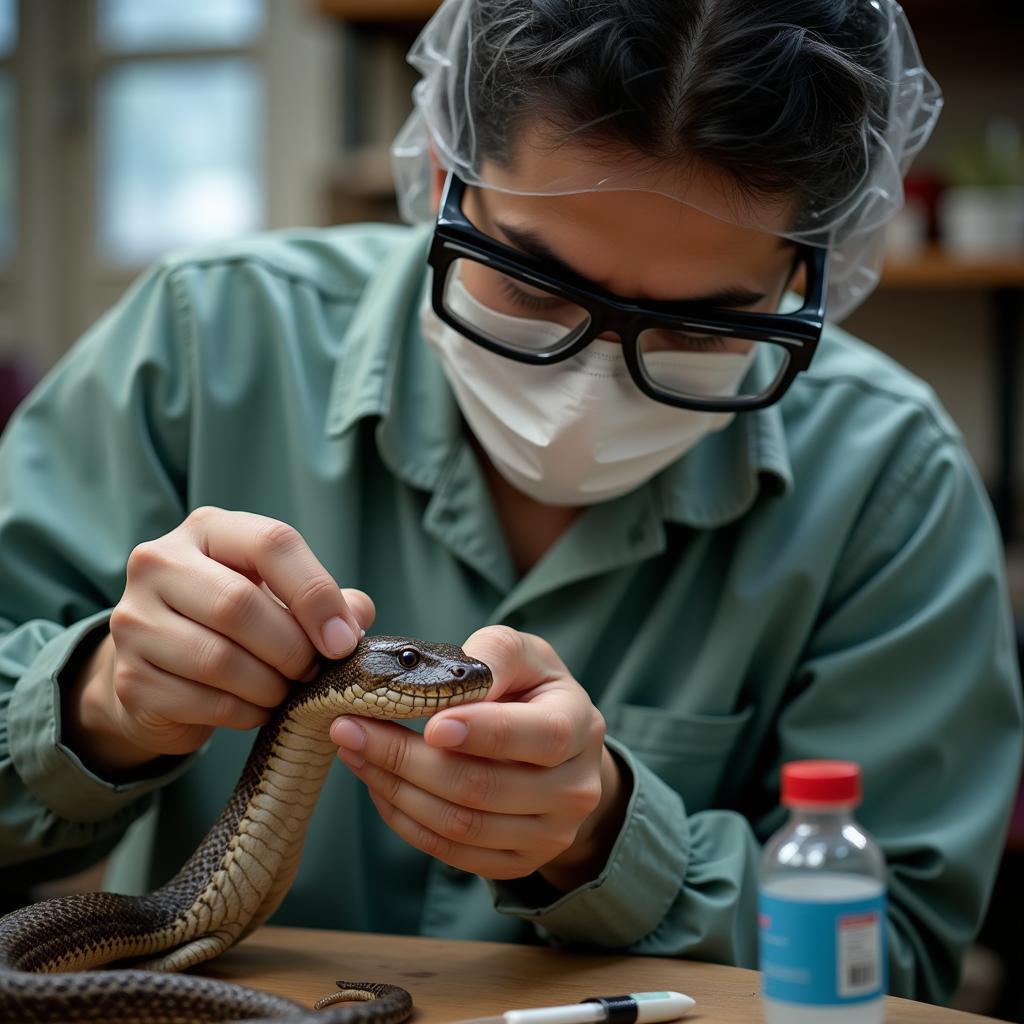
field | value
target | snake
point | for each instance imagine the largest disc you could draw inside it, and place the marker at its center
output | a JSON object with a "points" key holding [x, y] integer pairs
{"points": [[237, 876]]}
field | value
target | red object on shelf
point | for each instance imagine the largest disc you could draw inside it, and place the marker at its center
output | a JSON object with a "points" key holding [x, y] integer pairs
{"points": [[924, 188], [1015, 839], [16, 381]]}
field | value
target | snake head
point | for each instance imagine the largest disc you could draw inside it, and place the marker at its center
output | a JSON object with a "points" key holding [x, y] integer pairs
{"points": [[399, 677]]}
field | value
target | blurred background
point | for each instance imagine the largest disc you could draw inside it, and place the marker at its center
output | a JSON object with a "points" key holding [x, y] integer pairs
{"points": [[131, 127]]}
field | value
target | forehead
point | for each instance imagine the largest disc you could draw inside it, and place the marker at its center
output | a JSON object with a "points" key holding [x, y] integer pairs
{"points": [[639, 244], [627, 235], [538, 164]]}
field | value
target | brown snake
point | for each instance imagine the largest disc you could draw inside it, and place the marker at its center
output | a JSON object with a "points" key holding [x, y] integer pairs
{"points": [[237, 876]]}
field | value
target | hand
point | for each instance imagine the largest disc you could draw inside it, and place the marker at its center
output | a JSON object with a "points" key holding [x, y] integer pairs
{"points": [[517, 783], [216, 617]]}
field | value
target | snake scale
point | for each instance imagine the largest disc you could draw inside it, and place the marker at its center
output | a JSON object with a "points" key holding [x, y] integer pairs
{"points": [[237, 876]]}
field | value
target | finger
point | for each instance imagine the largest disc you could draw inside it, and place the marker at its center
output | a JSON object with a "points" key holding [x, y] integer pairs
{"points": [[518, 661], [552, 721], [495, 864], [281, 557], [358, 600], [225, 601], [474, 782], [460, 824], [558, 724], [362, 606], [189, 650], [152, 696]]}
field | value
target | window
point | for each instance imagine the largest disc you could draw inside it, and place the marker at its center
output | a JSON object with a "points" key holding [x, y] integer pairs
{"points": [[129, 128], [180, 109], [132, 25]]}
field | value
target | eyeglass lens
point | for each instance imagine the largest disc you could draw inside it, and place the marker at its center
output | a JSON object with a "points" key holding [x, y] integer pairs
{"points": [[520, 314]]}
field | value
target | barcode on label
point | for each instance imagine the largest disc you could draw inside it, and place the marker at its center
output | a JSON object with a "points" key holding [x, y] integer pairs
{"points": [[859, 947], [860, 974]]}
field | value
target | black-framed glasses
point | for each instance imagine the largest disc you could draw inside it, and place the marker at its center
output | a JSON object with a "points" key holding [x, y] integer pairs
{"points": [[526, 309]]}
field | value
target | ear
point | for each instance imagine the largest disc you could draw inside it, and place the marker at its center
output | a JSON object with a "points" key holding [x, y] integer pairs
{"points": [[437, 179]]}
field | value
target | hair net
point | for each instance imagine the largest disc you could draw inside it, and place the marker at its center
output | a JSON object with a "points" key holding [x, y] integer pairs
{"points": [[851, 227]]}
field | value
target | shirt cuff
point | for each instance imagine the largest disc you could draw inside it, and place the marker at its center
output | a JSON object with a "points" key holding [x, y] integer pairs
{"points": [[52, 772], [639, 883]]}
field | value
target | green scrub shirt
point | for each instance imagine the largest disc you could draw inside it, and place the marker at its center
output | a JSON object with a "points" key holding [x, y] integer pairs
{"points": [[823, 578]]}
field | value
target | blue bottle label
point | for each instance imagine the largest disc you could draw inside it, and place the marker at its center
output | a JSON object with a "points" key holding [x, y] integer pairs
{"points": [[822, 953]]}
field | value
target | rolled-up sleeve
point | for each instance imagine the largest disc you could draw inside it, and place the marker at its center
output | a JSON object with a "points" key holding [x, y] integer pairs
{"points": [[639, 881], [673, 883], [111, 419]]}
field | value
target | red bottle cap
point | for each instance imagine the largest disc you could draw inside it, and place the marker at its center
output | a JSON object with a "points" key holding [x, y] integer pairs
{"points": [[820, 782]]}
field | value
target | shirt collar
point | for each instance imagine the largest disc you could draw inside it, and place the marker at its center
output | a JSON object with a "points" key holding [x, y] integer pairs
{"points": [[720, 480], [386, 370]]}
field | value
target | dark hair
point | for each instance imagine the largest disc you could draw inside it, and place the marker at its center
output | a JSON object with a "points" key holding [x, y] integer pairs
{"points": [[777, 93]]}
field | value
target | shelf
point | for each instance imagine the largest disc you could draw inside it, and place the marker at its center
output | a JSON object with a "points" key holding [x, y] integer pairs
{"points": [[379, 10], [937, 269], [927, 12]]}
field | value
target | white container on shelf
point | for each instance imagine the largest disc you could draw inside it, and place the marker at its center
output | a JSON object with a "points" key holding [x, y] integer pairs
{"points": [[906, 235], [980, 221]]}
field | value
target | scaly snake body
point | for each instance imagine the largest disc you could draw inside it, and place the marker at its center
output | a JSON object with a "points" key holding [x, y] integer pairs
{"points": [[237, 876]]}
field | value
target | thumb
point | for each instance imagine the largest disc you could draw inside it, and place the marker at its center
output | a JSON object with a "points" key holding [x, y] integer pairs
{"points": [[518, 661]]}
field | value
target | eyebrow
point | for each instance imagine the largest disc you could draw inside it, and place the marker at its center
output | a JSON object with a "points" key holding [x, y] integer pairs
{"points": [[533, 245]]}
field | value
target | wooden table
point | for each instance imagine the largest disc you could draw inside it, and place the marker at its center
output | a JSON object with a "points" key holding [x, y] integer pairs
{"points": [[452, 981]]}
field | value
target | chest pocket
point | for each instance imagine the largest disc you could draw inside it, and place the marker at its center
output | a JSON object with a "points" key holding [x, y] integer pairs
{"points": [[688, 751]]}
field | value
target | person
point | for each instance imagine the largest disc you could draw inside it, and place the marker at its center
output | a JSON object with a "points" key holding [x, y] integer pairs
{"points": [[588, 418]]}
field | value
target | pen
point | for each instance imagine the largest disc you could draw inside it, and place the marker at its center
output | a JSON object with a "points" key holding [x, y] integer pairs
{"points": [[639, 1007]]}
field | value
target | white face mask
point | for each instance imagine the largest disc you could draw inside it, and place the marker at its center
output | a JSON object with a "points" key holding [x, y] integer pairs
{"points": [[580, 431]]}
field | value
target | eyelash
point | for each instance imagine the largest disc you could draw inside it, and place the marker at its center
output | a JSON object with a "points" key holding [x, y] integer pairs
{"points": [[707, 343], [527, 301], [701, 343], [688, 342]]}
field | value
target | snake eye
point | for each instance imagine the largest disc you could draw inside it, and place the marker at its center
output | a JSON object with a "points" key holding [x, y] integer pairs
{"points": [[408, 657]]}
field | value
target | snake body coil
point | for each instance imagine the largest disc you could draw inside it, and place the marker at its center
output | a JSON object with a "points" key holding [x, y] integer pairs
{"points": [[237, 876]]}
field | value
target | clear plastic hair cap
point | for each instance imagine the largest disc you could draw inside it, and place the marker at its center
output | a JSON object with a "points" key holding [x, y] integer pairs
{"points": [[852, 227]]}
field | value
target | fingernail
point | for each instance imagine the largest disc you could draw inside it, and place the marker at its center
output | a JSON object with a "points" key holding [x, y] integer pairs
{"points": [[449, 732], [348, 734], [339, 639]]}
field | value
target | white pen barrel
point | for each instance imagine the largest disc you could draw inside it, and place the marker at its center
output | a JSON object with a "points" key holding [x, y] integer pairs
{"points": [[577, 1013]]}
